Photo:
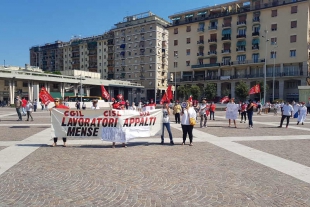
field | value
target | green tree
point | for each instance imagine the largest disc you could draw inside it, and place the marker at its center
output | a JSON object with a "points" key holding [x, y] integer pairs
{"points": [[210, 91], [183, 91], [242, 90], [195, 92], [225, 92]]}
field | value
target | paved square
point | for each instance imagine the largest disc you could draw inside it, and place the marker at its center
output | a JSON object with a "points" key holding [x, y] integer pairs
{"points": [[265, 166]]}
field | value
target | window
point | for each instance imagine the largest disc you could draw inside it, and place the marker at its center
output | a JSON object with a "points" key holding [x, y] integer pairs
{"points": [[255, 57], [274, 27], [100, 57], [241, 58], [176, 31], [99, 50], [151, 50], [175, 53], [188, 40], [188, 28], [105, 57], [274, 13], [175, 42], [292, 53], [188, 52], [294, 24], [188, 63], [175, 64], [99, 64], [273, 41], [273, 54], [25, 84], [256, 28], [293, 9], [99, 43], [293, 38], [242, 31]]}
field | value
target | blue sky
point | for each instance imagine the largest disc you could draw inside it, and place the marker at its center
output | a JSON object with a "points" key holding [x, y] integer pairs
{"points": [[25, 23]]}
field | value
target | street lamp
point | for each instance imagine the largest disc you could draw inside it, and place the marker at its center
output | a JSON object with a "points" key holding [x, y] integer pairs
{"points": [[175, 80], [274, 69], [265, 66]]}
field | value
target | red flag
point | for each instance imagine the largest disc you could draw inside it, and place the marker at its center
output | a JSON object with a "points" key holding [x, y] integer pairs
{"points": [[254, 89], [104, 93], [45, 97], [164, 99], [169, 93], [225, 99], [190, 99]]}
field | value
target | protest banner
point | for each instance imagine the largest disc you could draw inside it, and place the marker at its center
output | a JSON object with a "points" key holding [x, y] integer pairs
{"points": [[106, 124], [45, 97], [232, 111]]}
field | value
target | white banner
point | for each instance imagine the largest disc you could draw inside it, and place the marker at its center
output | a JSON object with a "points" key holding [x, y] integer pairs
{"points": [[232, 111], [106, 124]]}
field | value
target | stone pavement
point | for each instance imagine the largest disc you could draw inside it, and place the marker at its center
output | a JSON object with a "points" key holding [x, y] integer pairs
{"points": [[265, 166]]}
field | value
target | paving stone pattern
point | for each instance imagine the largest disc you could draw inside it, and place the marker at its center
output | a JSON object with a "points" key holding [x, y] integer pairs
{"points": [[18, 133], [153, 175], [294, 150]]}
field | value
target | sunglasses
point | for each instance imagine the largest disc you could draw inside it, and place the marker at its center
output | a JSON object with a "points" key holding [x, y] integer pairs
{"points": [[56, 101]]}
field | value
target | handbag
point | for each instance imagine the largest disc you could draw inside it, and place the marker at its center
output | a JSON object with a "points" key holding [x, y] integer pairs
{"points": [[192, 121]]}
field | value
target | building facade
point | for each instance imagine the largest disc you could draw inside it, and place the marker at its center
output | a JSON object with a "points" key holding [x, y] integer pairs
{"points": [[141, 53], [48, 57], [233, 42]]}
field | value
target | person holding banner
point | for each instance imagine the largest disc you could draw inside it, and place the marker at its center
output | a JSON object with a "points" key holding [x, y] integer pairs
{"points": [[188, 112], [203, 113], [95, 105], [166, 123], [58, 105], [232, 111], [117, 106]]}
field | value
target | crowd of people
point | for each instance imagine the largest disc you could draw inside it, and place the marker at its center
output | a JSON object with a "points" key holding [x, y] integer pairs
{"points": [[185, 113]]}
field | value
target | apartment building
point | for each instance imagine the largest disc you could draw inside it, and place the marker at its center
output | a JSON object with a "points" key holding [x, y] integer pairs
{"points": [[235, 41], [88, 54], [48, 57], [140, 52]]}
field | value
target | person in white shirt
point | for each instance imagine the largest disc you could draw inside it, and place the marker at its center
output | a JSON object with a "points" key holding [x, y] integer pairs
{"points": [[95, 105], [187, 113], [302, 113], [28, 108], [133, 106], [287, 113], [202, 113]]}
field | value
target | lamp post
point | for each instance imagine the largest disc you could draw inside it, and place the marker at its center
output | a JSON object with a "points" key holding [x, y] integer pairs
{"points": [[274, 69], [265, 65], [175, 81]]}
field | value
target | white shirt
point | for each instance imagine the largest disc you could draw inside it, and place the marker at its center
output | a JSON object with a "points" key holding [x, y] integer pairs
{"points": [[28, 107], [188, 113], [94, 107], [287, 110]]}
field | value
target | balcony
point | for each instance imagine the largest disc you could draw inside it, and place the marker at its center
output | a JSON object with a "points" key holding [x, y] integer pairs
{"points": [[240, 49], [142, 77], [241, 23], [212, 52], [110, 72], [206, 65], [226, 38], [110, 65], [212, 40], [254, 61], [200, 54], [226, 51], [200, 29], [226, 62], [233, 12], [255, 47], [256, 19], [227, 25], [241, 36], [199, 42], [214, 27], [255, 34]]}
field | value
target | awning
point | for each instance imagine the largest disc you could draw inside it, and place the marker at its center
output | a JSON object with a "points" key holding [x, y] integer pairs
{"points": [[241, 43], [189, 15], [255, 41], [201, 13], [226, 32], [122, 45], [176, 18], [122, 53]]}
